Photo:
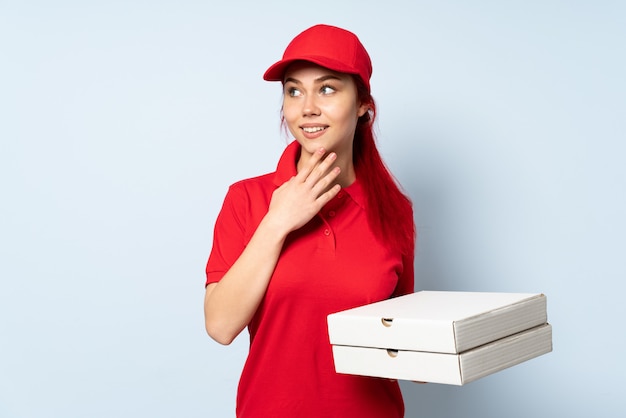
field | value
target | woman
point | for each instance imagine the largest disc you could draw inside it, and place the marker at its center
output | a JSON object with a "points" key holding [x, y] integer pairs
{"points": [[327, 231]]}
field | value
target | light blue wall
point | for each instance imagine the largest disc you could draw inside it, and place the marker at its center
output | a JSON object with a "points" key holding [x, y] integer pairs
{"points": [[123, 122]]}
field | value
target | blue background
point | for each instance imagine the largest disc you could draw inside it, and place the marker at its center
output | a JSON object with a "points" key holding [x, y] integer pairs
{"points": [[123, 122]]}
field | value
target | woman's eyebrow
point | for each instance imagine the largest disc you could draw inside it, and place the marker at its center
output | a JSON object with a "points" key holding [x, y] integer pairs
{"points": [[326, 78], [317, 80], [291, 80]]}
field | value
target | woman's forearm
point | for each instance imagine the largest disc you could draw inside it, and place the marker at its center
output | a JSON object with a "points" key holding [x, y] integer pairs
{"points": [[230, 303]]}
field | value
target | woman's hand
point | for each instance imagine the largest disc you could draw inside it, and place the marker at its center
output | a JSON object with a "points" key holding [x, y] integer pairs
{"points": [[300, 198]]}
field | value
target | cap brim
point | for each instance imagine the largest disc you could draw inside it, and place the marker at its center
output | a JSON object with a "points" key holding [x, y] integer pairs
{"points": [[277, 71]]}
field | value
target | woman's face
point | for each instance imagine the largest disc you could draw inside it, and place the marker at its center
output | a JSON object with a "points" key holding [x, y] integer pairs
{"points": [[321, 109]]}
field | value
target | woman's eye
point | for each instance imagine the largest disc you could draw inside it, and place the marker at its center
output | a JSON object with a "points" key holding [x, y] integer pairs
{"points": [[293, 92], [327, 90]]}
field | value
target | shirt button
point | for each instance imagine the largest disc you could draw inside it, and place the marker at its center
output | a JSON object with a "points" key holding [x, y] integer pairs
{"points": [[340, 195], [331, 213], [327, 232]]}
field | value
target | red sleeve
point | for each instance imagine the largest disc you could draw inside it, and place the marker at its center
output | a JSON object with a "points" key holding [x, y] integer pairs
{"points": [[229, 235]]}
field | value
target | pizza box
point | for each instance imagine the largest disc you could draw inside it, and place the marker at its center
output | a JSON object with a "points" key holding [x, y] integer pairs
{"points": [[437, 321], [443, 368]]}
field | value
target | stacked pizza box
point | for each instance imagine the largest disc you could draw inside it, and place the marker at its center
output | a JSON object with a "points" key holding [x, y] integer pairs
{"points": [[440, 337]]}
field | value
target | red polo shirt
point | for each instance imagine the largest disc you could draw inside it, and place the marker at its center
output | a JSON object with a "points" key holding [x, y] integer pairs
{"points": [[331, 264]]}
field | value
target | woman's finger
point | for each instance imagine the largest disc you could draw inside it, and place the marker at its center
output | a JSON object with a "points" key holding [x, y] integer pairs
{"points": [[322, 169], [325, 182], [328, 196], [313, 162]]}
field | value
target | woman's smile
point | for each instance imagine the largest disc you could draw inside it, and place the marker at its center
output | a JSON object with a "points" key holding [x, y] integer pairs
{"points": [[313, 131]]}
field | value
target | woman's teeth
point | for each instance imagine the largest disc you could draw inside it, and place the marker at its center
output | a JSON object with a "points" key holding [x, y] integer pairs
{"points": [[312, 130]]}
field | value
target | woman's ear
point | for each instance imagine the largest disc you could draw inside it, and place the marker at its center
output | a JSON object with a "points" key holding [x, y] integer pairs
{"points": [[363, 109]]}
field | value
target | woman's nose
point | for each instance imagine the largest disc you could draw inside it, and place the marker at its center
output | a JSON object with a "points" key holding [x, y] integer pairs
{"points": [[310, 106]]}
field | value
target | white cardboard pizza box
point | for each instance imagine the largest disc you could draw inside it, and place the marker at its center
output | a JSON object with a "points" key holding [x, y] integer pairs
{"points": [[437, 321], [444, 368]]}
